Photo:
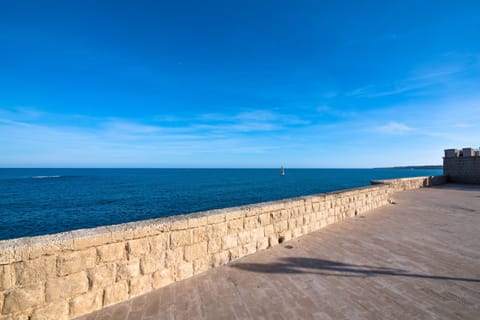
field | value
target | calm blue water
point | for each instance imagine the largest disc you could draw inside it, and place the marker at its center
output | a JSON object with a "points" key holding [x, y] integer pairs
{"points": [[43, 201]]}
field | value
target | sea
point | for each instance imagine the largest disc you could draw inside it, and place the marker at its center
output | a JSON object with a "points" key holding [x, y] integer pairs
{"points": [[45, 201]]}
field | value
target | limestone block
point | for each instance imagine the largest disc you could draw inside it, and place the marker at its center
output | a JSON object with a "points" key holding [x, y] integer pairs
{"points": [[128, 269], [174, 257], [162, 278], [141, 285], [91, 241], [1, 302], [217, 230], [111, 252], [54, 311], [180, 224], [86, 303], [229, 241], [21, 299], [180, 238], [197, 222], [151, 263], [220, 258], [201, 265], [280, 226], [264, 219], [66, 287], [102, 276], [17, 316], [235, 253], [115, 293], [195, 251], [272, 240], [138, 247], [234, 215], [262, 243], [184, 270], [31, 271], [249, 248], [199, 234], [159, 243], [250, 223], [7, 277], [214, 245], [216, 218], [269, 230], [244, 237], [235, 226], [76, 261], [257, 234]]}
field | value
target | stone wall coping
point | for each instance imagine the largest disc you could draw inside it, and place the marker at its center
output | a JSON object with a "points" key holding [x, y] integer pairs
{"points": [[138, 229]]}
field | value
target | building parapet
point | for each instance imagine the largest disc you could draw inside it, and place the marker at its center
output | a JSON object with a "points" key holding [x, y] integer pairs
{"points": [[462, 166], [66, 275]]}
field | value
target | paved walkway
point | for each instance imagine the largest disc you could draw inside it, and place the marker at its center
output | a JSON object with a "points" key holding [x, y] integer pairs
{"points": [[416, 259]]}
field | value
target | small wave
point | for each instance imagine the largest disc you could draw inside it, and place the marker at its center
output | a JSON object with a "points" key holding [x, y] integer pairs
{"points": [[45, 177]]}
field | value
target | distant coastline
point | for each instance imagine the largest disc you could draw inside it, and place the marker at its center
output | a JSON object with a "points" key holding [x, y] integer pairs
{"points": [[426, 167]]}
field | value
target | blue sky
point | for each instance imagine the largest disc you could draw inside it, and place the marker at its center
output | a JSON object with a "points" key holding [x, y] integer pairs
{"points": [[237, 83]]}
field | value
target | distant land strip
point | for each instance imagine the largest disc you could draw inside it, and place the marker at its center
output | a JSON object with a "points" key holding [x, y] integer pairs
{"points": [[415, 167]]}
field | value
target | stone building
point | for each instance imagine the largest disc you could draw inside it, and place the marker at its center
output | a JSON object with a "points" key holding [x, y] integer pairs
{"points": [[462, 166]]}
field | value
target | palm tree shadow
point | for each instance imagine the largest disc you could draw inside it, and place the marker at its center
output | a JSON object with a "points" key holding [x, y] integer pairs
{"points": [[322, 267]]}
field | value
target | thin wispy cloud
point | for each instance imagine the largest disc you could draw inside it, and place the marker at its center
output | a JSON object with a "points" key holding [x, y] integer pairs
{"points": [[393, 127]]}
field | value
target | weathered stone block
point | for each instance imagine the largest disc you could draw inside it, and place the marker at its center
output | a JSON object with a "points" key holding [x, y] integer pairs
{"points": [[180, 238], [180, 224], [257, 234], [229, 241], [7, 277], [216, 218], [217, 230], [234, 215], [66, 287], [184, 270], [269, 230], [235, 226], [220, 258], [95, 240], [244, 237], [86, 303], [102, 276], [151, 263], [199, 234], [197, 222], [111, 252], [162, 278], [214, 245], [31, 271], [54, 311], [76, 261], [262, 243], [264, 219], [174, 257], [138, 247], [21, 299], [1, 302], [128, 269], [141, 285], [249, 248], [115, 293], [195, 251], [159, 243], [250, 223], [201, 265]]}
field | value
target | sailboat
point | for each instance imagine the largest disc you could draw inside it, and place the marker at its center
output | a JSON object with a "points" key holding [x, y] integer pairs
{"points": [[282, 171]]}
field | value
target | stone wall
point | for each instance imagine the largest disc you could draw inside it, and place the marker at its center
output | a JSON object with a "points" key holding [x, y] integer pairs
{"points": [[462, 166], [66, 275]]}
